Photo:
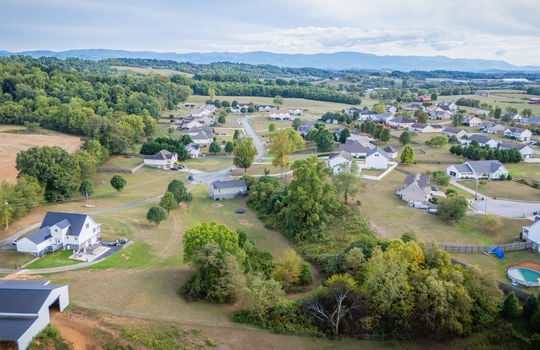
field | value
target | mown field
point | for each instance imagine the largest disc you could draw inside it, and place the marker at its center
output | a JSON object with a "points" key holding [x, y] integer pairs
{"points": [[502, 98]]}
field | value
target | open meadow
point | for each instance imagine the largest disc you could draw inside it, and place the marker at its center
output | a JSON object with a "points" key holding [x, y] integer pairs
{"points": [[502, 98], [15, 138]]}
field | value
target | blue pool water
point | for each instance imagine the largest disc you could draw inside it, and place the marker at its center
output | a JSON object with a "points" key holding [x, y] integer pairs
{"points": [[524, 276]]}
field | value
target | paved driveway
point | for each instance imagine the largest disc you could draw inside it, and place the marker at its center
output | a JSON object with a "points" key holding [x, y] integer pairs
{"points": [[506, 208]]}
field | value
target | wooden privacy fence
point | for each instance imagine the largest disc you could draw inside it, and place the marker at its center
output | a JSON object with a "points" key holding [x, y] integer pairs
{"points": [[462, 248]]}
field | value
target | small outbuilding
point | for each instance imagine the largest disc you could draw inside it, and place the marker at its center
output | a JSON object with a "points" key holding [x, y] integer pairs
{"points": [[227, 189], [24, 309]]}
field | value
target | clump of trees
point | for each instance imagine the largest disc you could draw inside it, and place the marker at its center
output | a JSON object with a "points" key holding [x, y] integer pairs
{"points": [[223, 260], [176, 192], [85, 98], [56, 170], [17, 200], [475, 152], [165, 143]]}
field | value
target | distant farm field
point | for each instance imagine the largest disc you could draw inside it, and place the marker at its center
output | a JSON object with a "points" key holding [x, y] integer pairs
{"points": [[502, 98], [14, 139], [140, 70], [310, 107]]}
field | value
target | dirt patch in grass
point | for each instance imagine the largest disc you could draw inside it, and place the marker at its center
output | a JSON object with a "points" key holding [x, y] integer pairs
{"points": [[245, 223], [217, 205], [11, 143]]}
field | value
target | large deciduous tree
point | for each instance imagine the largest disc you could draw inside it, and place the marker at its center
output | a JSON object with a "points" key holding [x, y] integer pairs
{"points": [[282, 144], [156, 214], [218, 276], [347, 182], [197, 236], [407, 155], [310, 200], [244, 153], [452, 208], [118, 182], [177, 188], [55, 169], [168, 202]]}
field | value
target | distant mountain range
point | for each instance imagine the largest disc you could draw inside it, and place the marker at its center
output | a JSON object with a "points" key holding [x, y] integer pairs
{"points": [[336, 61]]}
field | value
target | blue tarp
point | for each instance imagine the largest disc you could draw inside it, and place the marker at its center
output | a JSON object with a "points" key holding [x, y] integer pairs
{"points": [[497, 251]]}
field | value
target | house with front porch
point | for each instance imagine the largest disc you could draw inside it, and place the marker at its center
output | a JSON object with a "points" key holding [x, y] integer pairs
{"points": [[61, 231], [478, 169], [519, 134], [481, 140]]}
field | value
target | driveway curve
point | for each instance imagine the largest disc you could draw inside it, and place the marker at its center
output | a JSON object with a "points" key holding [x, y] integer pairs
{"points": [[501, 207]]}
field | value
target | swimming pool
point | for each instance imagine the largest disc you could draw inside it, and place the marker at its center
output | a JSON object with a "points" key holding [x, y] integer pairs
{"points": [[524, 276]]}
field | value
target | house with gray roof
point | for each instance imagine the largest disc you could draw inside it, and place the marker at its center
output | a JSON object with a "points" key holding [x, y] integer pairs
{"points": [[519, 134], [61, 231], [305, 128], [376, 158], [482, 141], [24, 309], [415, 188], [478, 169], [227, 189], [161, 160], [390, 151], [339, 161], [525, 150], [355, 148], [457, 132]]}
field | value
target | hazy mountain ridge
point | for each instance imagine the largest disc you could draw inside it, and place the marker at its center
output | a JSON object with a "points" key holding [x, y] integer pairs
{"points": [[336, 61]]}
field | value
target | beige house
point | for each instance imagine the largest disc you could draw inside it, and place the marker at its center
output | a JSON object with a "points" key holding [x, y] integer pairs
{"points": [[415, 188]]}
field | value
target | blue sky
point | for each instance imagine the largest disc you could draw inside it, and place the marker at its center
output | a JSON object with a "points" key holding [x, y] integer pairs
{"points": [[492, 29]]}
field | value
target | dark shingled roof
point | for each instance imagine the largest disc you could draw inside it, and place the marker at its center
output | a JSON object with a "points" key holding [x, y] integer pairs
{"points": [[20, 302], [479, 138], [509, 145], [40, 235], [13, 328], [343, 154], [422, 180], [76, 220], [229, 184], [353, 147], [161, 155]]}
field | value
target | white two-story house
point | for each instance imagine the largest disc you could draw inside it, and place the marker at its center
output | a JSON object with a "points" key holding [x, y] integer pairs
{"points": [[61, 231]]}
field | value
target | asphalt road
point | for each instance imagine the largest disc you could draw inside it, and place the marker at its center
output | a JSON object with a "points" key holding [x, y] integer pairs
{"points": [[501, 207], [506, 208], [223, 175]]}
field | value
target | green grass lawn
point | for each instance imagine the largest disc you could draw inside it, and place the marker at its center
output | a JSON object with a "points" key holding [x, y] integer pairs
{"points": [[12, 259], [504, 189], [122, 162], [502, 98], [58, 258]]}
